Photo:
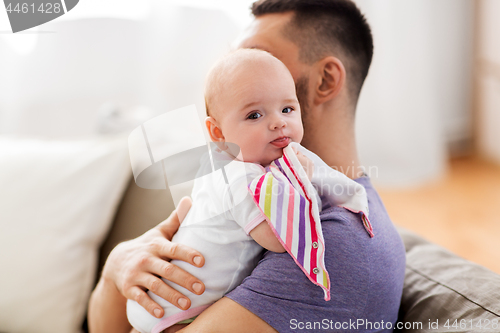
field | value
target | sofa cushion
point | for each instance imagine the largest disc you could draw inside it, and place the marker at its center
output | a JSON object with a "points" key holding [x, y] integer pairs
{"points": [[446, 293], [57, 202]]}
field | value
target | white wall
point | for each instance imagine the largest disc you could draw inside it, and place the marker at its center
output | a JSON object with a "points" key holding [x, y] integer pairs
{"points": [[77, 66], [415, 99], [488, 79], [417, 95], [56, 90]]}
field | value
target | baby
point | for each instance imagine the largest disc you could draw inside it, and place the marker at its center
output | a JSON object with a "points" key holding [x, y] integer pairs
{"points": [[251, 102]]}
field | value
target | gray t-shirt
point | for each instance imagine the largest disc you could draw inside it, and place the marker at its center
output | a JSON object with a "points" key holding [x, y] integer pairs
{"points": [[366, 277]]}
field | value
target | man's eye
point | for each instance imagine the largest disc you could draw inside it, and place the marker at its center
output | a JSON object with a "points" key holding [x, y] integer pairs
{"points": [[254, 115], [287, 110]]}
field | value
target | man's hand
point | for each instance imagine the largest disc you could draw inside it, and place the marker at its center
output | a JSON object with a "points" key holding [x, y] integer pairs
{"points": [[137, 265]]}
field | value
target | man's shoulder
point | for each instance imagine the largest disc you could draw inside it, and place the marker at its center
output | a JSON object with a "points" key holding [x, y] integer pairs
{"points": [[375, 203], [377, 212], [337, 214]]}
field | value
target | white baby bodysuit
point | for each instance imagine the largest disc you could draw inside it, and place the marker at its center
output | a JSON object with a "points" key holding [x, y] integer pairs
{"points": [[218, 226]]}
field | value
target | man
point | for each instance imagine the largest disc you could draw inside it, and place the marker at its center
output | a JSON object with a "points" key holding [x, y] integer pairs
{"points": [[327, 46]]}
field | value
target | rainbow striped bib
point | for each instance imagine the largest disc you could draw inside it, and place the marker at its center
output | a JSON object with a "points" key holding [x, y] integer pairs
{"points": [[291, 205]]}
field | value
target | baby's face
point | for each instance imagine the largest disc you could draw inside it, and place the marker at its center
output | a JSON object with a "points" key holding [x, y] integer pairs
{"points": [[259, 111]]}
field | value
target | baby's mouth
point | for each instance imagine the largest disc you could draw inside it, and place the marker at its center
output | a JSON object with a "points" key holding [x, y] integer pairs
{"points": [[281, 142]]}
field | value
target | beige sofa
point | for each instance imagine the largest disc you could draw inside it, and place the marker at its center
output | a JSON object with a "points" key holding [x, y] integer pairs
{"points": [[442, 292]]}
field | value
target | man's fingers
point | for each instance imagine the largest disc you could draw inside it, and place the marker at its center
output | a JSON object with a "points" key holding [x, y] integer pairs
{"points": [[174, 274], [168, 250], [141, 297], [160, 288], [183, 208], [170, 226]]}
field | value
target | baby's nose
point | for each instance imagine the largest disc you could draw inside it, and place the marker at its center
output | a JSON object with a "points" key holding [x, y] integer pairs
{"points": [[279, 123]]}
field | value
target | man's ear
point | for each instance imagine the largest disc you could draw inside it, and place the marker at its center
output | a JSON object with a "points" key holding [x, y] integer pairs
{"points": [[214, 130], [330, 80]]}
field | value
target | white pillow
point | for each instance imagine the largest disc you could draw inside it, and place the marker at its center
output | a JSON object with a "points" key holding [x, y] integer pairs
{"points": [[57, 201]]}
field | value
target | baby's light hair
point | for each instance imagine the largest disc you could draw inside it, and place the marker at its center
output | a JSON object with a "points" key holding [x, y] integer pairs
{"points": [[220, 74]]}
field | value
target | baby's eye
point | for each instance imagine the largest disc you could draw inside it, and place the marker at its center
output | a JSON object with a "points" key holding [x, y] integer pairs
{"points": [[287, 110], [254, 115]]}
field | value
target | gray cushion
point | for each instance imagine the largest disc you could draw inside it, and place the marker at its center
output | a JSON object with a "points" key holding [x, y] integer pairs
{"points": [[440, 286]]}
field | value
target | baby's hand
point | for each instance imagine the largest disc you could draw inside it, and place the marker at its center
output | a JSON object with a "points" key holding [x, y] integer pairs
{"points": [[307, 164]]}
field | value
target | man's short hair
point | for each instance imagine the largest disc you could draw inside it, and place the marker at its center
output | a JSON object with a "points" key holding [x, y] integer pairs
{"points": [[327, 27]]}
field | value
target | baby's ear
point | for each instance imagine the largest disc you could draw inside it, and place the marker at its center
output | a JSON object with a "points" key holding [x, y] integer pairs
{"points": [[214, 130]]}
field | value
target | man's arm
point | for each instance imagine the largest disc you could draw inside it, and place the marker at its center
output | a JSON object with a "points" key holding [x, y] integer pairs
{"points": [[136, 266], [227, 316], [114, 318]]}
